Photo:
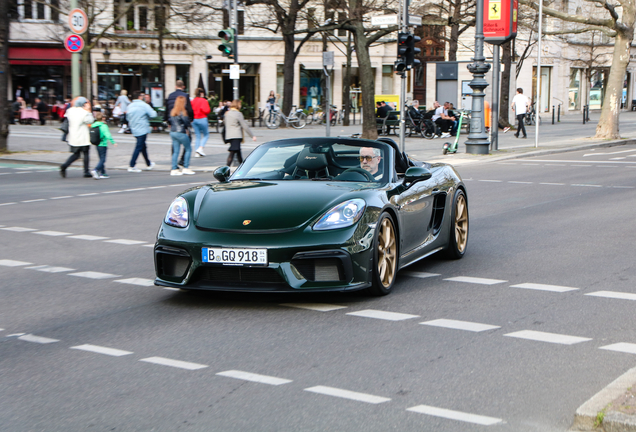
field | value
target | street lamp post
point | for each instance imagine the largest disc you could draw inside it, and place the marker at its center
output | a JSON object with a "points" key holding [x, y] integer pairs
{"points": [[477, 142]]}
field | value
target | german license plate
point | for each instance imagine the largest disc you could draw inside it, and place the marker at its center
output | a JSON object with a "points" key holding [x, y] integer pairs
{"points": [[235, 256]]}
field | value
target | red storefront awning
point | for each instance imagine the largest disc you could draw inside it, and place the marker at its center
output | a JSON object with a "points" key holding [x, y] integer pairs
{"points": [[39, 56]]}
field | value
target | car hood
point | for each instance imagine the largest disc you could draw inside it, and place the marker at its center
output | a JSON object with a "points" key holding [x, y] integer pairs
{"points": [[264, 205]]}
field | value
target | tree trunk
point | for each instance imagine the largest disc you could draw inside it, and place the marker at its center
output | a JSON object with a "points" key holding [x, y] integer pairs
{"points": [[504, 100], [288, 73], [607, 127], [346, 85], [454, 30], [367, 86], [5, 110]]}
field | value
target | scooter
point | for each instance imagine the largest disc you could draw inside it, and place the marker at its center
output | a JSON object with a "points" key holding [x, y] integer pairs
{"points": [[452, 147]]}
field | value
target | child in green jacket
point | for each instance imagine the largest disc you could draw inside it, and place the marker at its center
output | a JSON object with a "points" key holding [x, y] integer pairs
{"points": [[100, 171]]}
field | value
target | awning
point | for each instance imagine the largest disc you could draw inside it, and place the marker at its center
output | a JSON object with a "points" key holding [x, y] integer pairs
{"points": [[39, 56]]}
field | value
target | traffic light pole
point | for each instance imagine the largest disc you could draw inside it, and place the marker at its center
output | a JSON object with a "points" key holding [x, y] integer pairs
{"points": [[404, 28], [234, 25]]}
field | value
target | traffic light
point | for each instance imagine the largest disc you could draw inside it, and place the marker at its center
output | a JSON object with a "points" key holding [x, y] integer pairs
{"points": [[402, 48], [412, 52], [227, 42]]}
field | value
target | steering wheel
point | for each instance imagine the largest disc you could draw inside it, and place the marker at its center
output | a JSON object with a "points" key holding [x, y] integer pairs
{"points": [[365, 173]]}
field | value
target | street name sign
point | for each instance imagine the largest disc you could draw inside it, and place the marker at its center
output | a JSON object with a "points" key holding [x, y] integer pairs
{"points": [[387, 20]]}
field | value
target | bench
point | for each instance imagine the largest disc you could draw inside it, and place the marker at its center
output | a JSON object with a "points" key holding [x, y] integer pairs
{"points": [[391, 123]]}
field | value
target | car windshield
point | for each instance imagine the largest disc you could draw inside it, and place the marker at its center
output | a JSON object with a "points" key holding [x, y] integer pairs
{"points": [[317, 160]]}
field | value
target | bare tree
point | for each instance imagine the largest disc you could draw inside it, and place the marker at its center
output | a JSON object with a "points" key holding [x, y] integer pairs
{"points": [[615, 20], [4, 76]]}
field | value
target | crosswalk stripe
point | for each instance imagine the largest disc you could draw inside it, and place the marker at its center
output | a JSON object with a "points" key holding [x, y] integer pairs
{"points": [[50, 269], [475, 280], [455, 415], [52, 233], [37, 339], [88, 237], [613, 295], [18, 229], [377, 314], [136, 281], [541, 287], [347, 394], [102, 350], [12, 263], [624, 347], [320, 307], [548, 337], [125, 241], [415, 274], [460, 325], [174, 363], [94, 275], [248, 376]]}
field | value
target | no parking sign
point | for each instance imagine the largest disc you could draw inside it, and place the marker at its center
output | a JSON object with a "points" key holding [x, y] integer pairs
{"points": [[74, 43]]}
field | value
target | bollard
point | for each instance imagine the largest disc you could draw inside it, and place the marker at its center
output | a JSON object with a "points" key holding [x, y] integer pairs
{"points": [[587, 117], [552, 114], [559, 114], [583, 114]]}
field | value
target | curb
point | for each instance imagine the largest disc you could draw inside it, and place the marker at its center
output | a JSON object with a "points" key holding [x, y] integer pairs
{"points": [[585, 418]]}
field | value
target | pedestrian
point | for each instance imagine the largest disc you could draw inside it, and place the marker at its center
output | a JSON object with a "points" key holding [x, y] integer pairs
{"points": [[180, 134], [201, 109], [100, 170], [235, 125], [180, 91], [271, 101], [79, 118], [122, 103], [43, 110], [520, 104], [138, 115]]}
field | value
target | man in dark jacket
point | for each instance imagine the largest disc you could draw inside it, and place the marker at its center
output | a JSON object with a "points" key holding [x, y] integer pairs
{"points": [[170, 104], [43, 110]]}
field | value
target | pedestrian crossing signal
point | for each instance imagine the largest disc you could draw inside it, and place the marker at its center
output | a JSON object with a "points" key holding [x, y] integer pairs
{"points": [[227, 42]]}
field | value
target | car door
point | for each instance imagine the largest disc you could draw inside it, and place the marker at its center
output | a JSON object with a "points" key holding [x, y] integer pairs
{"points": [[415, 206]]}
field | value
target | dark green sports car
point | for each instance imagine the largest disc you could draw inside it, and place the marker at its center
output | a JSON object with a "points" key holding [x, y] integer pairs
{"points": [[312, 214]]}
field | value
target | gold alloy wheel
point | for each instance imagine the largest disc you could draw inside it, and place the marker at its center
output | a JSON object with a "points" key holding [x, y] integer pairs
{"points": [[461, 223], [387, 252]]}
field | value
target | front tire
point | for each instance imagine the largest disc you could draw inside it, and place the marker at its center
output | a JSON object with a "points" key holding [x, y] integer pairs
{"points": [[272, 121], [301, 121], [385, 257], [458, 232]]}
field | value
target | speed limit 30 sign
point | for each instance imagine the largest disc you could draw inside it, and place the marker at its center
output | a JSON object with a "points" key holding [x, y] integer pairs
{"points": [[78, 21]]}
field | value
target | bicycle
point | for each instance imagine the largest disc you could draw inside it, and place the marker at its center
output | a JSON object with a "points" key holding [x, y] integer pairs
{"points": [[312, 115], [333, 116], [296, 119], [531, 116]]}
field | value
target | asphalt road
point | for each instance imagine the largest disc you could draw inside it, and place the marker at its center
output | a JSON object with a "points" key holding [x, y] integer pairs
{"points": [[546, 286]]}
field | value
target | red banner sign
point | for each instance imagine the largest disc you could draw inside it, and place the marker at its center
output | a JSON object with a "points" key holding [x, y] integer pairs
{"points": [[500, 21]]}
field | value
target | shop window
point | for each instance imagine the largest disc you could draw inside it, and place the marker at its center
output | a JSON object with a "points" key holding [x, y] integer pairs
{"points": [[280, 80], [546, 97], [598, 81], [574, 92], [310, 88], [183, 74]]}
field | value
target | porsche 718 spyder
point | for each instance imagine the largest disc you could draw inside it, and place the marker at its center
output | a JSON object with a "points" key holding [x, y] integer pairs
{"points": [[312, 214]]}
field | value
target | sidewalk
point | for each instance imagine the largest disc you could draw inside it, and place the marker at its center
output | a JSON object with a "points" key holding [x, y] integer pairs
{"points": [[42, 144]]}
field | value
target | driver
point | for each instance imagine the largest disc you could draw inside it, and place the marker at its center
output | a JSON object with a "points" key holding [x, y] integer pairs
{"points": [[370, 158]]}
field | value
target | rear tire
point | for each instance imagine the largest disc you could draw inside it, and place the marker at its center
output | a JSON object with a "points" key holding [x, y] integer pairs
{"points": [[272, 121], [458, 230], [301, 121], [385, 257]]}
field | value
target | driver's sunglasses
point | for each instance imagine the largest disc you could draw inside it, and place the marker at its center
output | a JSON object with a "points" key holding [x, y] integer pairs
{"points": [[367, 158]]}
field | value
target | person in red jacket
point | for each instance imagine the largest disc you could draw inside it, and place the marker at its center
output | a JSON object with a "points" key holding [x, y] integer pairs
{"points": [[201, 109]]}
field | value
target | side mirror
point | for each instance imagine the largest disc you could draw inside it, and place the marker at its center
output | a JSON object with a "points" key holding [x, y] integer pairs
{"points": [[416, 174], [222, 174]]}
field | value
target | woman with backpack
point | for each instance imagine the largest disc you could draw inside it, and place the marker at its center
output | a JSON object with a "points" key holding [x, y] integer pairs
{"points": [[180, 134], [101, 134]]}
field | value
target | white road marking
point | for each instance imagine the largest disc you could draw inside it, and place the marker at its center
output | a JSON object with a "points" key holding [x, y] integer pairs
{"points": [[137, 281], [7, 204], [113, 192], [455, 415], [475, 280], [52, 233], [553, 184], [548, 337], [320, 307], [613, 295], [581, 166], [125, 242], [88, 237], [50, 269], [247, 376], [62, 197], [102, 350], [623, 187], [174, 363], [171, 289], [34, 200], [460, 325], [389, 316], [617, 158], [134, 190], [624, 347], [520, 182], [94, 275], [530, 164], [1, 329], [609, 153], [12, 263], [149, 245], [347, 394], [541, 287], [19, 229], [157, 187], [37, 339], [490, 181], [88, 194], [415, 274], [587, 185]]}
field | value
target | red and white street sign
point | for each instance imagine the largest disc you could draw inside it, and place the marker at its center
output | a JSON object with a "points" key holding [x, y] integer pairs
{"points": [[78, 21], [74, 43], [500, 21]]}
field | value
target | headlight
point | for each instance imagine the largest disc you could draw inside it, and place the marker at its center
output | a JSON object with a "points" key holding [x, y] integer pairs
{"points": [[177, 215], [342, 215]]}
